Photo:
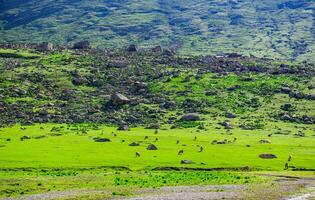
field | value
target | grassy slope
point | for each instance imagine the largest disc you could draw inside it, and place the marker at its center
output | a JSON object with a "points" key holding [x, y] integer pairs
{"points": [[262, 28], [51, 161]]}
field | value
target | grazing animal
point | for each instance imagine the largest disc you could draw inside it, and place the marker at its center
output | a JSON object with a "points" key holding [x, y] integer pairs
{"points": [[146, 137], [201, 149], [290, 158], [115, 135], [138, 154], [177, 142], [156, 131], [180, 152], [234, 140], [156, 139], [269, 135], [195, 138], [214, 142], [286, 166], [41, 128]]}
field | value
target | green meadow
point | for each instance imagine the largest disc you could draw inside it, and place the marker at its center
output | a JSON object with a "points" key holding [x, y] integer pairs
{"points": [[73, 146], [59, 157]]}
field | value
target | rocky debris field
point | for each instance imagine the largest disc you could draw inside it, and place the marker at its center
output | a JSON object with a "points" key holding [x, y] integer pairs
{"points": [[71, 84]]}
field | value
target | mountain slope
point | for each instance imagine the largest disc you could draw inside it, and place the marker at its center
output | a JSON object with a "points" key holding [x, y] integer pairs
{"points": [[280, 28]]}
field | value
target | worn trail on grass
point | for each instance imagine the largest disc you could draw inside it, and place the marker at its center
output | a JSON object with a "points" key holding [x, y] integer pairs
{"points": [[283, 187]]}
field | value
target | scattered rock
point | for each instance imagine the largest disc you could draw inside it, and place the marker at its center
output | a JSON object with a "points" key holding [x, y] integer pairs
{"points": [[190, 117], [286, 107], [267, 156], [134, 144], [45, 46], [123, 127], [286, 90], [157, 49], [25, 137], [226, 124], [153, 126], [101, 140], [132, 48], [82, 45], [119, 99], [167, 52], [186, 162], [264, 141], [152, 147]]}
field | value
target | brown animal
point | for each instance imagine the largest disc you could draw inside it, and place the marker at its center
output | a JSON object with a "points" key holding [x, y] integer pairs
{"points": [[290, 158], [146, 137], [156, 139], [156, 131], [201, 149], [138, 154], [180, 152], [195, 138], [286, 166], [177, 142]]}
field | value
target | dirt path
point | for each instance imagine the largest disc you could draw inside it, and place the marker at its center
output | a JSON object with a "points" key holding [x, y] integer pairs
{"points": [[193, 192], [306, 196], [282, 188]]}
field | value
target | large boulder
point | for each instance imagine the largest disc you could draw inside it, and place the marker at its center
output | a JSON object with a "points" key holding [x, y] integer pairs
{"points": [[132, 48], [157, 49], [82, 45], [167, 52], [152, 147], [190, 117], [123, 127], [118, 99], [45, 46]]}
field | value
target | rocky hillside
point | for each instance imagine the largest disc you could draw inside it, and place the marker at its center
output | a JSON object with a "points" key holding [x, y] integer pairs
{"points": [[278, 28], [150, 86]]}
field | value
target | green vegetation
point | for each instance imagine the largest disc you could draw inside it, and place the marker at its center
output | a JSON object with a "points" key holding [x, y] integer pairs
{"points": [[277, 29], [111, 181], [214, 120], [72, 146]]}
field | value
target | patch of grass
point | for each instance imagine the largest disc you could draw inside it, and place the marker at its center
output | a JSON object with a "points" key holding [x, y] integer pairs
{"points": [[9, 53]]}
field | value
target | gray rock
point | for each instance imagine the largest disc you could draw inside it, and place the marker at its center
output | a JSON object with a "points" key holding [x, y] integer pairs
{"points": [[119, 99], [157, 49], [123, 127], [134, 144], [186, 162], [267, 156], [45, 46], [190, 117], [101, 140], [82, 45], [264, 141], [152, 147], [132, 48]]}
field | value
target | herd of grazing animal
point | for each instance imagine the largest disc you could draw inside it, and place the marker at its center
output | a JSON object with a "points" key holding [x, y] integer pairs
{"points": [[201, 149], [180, 152]]}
